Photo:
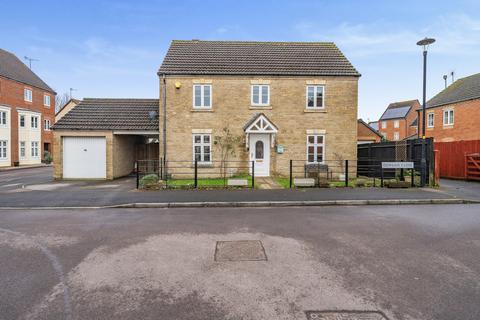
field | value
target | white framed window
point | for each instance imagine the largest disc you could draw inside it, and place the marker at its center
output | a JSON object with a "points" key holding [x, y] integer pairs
{"points": [[21, 121], [202, 96], [46, 125], [315, 148], [34, 122], [384, 125], [448, 117], [396, 136], [3, 118], [260, 95], [430, 120], [3, 149], [316, 97], [27, 95], [202, 148], [396, 124], [46, 100], [22, 150], [34, 151]]}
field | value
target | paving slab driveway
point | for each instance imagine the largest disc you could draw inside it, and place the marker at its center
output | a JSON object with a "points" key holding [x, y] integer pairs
{"points": [[409, 262]]}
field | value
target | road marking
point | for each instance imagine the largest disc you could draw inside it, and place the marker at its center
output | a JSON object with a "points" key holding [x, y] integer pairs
{"points": [[57, 267]]}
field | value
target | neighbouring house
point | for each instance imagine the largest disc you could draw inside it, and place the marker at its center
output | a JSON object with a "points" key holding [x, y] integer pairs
{"points": [[66, 108], [398, 120], [102, 138], [367, 134], [454, 113], [284, 100], [27, 112]]}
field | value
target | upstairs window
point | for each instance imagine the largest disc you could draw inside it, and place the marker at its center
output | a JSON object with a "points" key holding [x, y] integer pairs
{"points": [[315, 97], [46, 125], [22, 121], [315, 148], [430, 120], [34, 122], [202, 148], [202, 96], [384, 125], [260, 95], [448, 117], [396, 124], [3, 118], [46, 100], [27, 95]]}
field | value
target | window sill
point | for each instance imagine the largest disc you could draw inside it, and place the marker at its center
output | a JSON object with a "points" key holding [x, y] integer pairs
{"points": [[319, 110], [201, 110], [261, 107], [448, 125]]}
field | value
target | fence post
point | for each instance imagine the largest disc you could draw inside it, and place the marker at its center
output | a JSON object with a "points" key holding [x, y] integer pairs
{"points": [[381, 177], [413, 176], [196, 174], [138, 181], [253, 175], [291, 174], [161, 168], [346, 173]]}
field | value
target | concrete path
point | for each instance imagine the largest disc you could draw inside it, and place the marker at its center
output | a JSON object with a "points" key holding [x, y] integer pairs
{"points": [[408, 262], [267, 183]]}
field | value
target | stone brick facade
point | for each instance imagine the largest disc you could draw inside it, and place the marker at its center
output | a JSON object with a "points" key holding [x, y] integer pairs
{"points": [[12, 96], [465, 125], [231, 107]]}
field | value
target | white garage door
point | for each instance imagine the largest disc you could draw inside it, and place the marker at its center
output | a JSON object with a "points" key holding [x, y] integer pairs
{"points": [[84, 158]]}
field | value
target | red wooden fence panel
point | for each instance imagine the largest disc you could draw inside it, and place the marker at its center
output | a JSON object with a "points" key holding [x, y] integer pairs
{"points": [[452, 157]]}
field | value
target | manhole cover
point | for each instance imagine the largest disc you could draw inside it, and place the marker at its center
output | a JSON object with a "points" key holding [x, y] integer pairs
{"points": [[345, 315], [243, 250]]}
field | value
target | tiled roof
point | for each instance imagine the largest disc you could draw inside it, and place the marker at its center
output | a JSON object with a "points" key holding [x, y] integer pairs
{"points": [[195, 57], [368, 126], [112, 114], [398, 110], [12, 68], [463, 89]]}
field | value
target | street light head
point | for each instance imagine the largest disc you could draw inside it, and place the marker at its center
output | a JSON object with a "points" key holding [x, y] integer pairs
{"points": [[425, 42]]}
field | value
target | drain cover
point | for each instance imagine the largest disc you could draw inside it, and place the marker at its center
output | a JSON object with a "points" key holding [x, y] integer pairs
{"points": [[345, 315], [243, 250]]}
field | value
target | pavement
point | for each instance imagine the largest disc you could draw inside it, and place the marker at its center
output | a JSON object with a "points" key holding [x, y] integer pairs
{"points": [[33, 188], [406, 262]]}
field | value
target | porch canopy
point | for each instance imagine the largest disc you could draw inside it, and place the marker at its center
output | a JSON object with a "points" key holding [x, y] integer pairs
{"points": [[259, 123]]}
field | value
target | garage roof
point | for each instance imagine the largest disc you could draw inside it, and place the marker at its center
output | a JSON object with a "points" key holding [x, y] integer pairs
{"points": [[112, 114]]}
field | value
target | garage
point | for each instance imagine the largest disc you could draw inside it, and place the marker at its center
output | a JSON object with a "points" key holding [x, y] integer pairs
{"points": [[84, 158]]}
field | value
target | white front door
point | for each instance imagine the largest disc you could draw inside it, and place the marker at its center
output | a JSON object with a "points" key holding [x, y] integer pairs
{"points": [[260, 153]]}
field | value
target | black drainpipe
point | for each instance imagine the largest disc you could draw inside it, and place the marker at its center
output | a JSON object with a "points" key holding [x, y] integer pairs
{"points": [[164, 96]]}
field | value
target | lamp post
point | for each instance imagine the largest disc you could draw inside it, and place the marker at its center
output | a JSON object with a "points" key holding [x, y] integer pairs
{"points": [[424, 43]]}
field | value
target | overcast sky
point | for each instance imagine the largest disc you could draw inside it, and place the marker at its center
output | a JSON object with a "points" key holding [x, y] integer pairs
{"points": [[114, 48]]}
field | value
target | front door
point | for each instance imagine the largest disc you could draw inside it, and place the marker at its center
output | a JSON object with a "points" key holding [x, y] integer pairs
{"points": [[260, 153]]}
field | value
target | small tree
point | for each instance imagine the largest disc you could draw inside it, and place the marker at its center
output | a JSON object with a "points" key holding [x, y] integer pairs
{"points": [[227, 144]]}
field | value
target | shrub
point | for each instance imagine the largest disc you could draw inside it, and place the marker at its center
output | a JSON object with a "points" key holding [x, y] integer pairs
{"points": [[149, 180], [47, 156]]}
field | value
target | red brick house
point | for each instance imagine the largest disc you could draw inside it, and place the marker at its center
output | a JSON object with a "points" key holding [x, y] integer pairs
{"points": [[399, 120], [454, 113], [27, 110], [366, 133]]}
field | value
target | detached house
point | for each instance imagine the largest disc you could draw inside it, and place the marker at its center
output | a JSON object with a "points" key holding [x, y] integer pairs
{"points": [[399, 121], [286, 100], [454, 113], [27, 112], [282, 100]]}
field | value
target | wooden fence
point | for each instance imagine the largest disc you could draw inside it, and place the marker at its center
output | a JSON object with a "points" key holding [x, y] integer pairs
{"points": [[453, 157]]}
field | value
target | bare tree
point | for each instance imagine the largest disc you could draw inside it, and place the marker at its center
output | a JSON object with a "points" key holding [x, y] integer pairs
{"points": [[227, 143], [61, 100]]}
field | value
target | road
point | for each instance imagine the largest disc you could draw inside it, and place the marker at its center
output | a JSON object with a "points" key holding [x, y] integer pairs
{"points": [[410, 262]]}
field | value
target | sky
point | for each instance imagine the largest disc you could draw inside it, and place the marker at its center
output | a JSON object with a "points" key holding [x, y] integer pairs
{"points": [[107, 48]]}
